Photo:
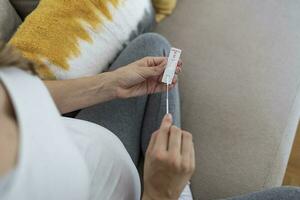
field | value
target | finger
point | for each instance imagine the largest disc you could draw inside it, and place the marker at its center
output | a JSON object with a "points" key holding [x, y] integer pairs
{"points": [[178, 70], [186, 150], [163, 133], [175, 79], [172, 86], [186, 145], [180, 63], [155, 61], [179, 67], [152, 141], [148, 72], [175, 140], [160, 87], [192, 156]]}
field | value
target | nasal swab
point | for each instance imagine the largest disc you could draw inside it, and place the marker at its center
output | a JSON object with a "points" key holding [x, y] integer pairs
{"points": [[167, 99]]}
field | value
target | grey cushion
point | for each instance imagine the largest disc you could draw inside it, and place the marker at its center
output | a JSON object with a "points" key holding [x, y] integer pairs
{"points": [[240, 89], [24, 7], [9, 20]]}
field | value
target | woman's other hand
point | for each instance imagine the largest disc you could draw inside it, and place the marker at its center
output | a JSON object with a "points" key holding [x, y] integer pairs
{"points": [[142, 77], [169, 162]]}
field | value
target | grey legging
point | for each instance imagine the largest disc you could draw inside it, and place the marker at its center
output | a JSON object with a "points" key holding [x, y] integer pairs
{"points": [[134, 120]]}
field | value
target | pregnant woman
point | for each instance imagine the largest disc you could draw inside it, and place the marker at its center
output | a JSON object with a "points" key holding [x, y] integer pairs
{"points": [[45, 156]]}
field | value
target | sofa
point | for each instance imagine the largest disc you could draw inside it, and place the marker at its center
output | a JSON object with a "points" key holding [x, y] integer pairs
{"points": [[240, 87]]}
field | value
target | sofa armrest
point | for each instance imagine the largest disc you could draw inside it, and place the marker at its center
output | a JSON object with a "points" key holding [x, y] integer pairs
{"points": [[240, 90]]}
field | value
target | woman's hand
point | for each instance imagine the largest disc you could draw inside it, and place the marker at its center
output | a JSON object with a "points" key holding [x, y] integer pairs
{"points": [[142, 77], [169, 162]]}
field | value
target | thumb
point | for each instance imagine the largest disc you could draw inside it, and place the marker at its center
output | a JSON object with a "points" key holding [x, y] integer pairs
{"points": [[166, 122]]}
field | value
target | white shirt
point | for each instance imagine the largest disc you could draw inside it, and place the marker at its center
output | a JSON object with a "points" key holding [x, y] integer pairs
{"points": [[63, 158]]}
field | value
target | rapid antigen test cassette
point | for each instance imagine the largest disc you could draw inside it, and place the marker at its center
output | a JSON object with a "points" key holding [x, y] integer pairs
{"points": [[170, 71], [171, 66]]}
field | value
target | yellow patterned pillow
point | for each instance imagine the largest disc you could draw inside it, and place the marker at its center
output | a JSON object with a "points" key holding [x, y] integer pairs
{"points": [[75, 38]]}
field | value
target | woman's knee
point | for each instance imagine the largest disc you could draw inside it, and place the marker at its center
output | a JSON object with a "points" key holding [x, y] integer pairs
{"points": [[153, 44], [279, 193], [288, 192]]}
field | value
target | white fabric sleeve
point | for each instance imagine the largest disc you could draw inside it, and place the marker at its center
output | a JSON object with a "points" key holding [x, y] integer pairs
{"points": [[49, 166]]}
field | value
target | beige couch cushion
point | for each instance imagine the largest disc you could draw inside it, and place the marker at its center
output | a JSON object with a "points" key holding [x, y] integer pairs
{"points": [[9, 20], [240, 89]]}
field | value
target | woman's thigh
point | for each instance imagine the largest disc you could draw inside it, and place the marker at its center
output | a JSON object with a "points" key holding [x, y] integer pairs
{"points": [[281, 193]]}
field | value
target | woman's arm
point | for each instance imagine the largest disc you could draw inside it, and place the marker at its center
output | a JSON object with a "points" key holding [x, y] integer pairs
{"points": [[9, 138], [74, 94], [136, 79]]}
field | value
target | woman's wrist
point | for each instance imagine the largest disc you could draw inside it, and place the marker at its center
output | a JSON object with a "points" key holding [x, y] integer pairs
{"points": [[108, 85], [75, 94], [114, 82]]}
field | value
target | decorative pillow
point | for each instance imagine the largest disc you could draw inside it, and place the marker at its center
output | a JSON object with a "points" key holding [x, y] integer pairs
{"points": [[163, 8], [75, 38]]}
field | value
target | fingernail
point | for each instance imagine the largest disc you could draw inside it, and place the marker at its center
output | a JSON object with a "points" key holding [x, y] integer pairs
{"points": [[169, 116]]}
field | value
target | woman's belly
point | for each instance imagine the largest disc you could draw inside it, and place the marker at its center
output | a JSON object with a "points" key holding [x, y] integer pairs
{"points": [[112, 172]]}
